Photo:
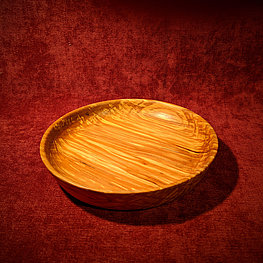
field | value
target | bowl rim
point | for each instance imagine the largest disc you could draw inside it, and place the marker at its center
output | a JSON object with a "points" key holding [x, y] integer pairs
{"points": [[58, 176]]}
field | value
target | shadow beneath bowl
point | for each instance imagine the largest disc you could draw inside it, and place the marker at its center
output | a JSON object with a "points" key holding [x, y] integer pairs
{"points": [[213, 189]]}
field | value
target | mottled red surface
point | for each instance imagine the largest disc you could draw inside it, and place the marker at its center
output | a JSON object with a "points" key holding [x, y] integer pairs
{"points": [[60, 55]]}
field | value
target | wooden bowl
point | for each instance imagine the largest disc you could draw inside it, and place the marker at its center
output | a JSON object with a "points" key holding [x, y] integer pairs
{"points": [[128, 154]]}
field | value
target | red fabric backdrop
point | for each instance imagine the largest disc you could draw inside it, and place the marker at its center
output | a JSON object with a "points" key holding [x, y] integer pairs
{"points": [[59, 55]]}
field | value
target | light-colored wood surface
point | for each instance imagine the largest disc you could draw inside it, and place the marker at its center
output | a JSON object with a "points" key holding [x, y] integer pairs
{"points": [[128, 154]]}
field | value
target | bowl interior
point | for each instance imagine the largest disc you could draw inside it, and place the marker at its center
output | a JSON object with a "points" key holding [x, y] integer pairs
{"points": [[128, 146]]}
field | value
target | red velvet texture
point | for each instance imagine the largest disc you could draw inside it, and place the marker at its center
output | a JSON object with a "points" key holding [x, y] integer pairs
{"points": [[59, 55]]}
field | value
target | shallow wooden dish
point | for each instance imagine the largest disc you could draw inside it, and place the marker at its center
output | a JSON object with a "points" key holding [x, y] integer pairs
{"points": [[129, 153]]}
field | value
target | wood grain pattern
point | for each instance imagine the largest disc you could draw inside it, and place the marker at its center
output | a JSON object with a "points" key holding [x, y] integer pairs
{"points": [[130, 153]]}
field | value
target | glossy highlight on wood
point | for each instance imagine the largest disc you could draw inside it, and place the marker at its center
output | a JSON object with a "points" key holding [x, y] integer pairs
{"points": [[128, 153]]}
